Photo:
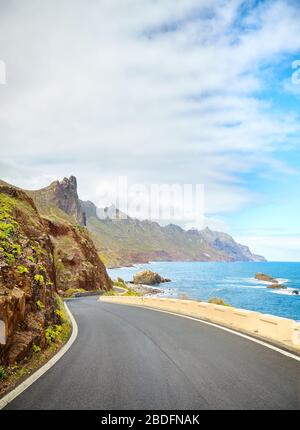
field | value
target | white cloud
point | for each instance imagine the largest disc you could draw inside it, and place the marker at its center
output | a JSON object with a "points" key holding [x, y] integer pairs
{"points": [[160, 91]]}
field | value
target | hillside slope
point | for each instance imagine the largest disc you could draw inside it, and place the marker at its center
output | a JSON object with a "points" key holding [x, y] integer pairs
{"points": [[38, 258], [128, 241]]}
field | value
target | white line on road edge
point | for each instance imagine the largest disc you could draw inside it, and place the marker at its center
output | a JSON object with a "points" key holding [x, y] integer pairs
{"points": [[245, 336], [36, 375]]}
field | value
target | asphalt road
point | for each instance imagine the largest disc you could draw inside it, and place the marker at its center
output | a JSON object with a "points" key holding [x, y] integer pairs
{"points": [[132, 358]]}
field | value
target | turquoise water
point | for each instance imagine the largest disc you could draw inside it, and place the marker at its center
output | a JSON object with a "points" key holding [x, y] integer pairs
{"points": [[234, 282]]}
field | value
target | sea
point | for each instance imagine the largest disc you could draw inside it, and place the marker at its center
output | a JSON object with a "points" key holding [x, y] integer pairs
{"points": [[234, 282]]}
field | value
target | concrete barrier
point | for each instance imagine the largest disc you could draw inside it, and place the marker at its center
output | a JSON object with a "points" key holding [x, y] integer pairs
{"points": [[296, 334], [276, 329]]}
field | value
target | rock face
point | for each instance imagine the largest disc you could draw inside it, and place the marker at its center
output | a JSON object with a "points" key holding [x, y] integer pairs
{"points": [[62, 195], [27, 276], [39, 257], [225, 243], [273, 283], [76, 260], [148, 277], [266, 278], [276, 286]]}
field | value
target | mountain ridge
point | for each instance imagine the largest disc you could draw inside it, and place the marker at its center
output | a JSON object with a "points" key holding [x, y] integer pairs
{"points": [[124, 242]]}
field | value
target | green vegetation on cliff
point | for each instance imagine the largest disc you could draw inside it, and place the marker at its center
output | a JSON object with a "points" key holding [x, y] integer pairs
{"points": [[38, 258]]}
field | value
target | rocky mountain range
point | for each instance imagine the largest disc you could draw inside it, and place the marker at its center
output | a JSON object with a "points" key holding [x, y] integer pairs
{"points": [[122, 242]]}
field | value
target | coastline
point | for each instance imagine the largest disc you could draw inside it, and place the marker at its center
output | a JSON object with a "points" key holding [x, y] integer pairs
{"points": [[149, 290], [234, 283]]}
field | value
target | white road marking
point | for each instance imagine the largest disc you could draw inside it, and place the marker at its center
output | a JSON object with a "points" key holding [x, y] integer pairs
{"points": [[245, 336], [36, 375]]}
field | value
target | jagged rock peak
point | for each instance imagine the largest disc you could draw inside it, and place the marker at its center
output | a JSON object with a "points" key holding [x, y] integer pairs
{"points": [[63, 194], [67, 183]]}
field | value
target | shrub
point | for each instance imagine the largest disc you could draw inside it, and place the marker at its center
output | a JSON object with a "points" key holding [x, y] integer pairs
{"points": [[109, 293], [10, 258], [6, 230], [42, 268], [3, 373], [16, 249], [53, 333], [71, 291], [80, 228], [217, 301], [120, 283], [59, 313], [131, 293], [22, 269], [40, 305], [39, 279], [36, 349], [30, 258]]}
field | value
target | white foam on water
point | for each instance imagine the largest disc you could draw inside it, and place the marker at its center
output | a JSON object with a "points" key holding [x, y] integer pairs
{"points": [[236, 285], [282, 280], [235, 280], [257, 281], [167, 292], [285, 292]]}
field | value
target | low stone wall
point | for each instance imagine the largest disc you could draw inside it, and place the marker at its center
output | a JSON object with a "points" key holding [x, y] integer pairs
{"points": [[278, 330]]}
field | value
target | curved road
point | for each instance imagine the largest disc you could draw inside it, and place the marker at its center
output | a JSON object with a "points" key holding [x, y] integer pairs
{"points": [[133, 358]]}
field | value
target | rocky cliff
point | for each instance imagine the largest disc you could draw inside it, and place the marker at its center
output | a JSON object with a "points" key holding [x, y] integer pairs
{"points": [[77, 263], [39, 257], [60, 198], [224, 242], [27, 275]]}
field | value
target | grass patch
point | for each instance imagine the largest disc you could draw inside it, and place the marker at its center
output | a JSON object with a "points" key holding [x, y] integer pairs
{"points": [[110, 293], [71, 291], [218, 301], [132, 293], [121, 284], [3, 373]]}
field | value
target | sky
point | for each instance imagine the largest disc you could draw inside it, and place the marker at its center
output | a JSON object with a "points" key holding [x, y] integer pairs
{"points": [[162, 92]]}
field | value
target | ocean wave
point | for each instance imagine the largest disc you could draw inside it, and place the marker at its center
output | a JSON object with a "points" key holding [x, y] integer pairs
{"points": [[282, 280], [257, 281], [286, 292], [234, 280], [169, 292], [240, 285]]}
